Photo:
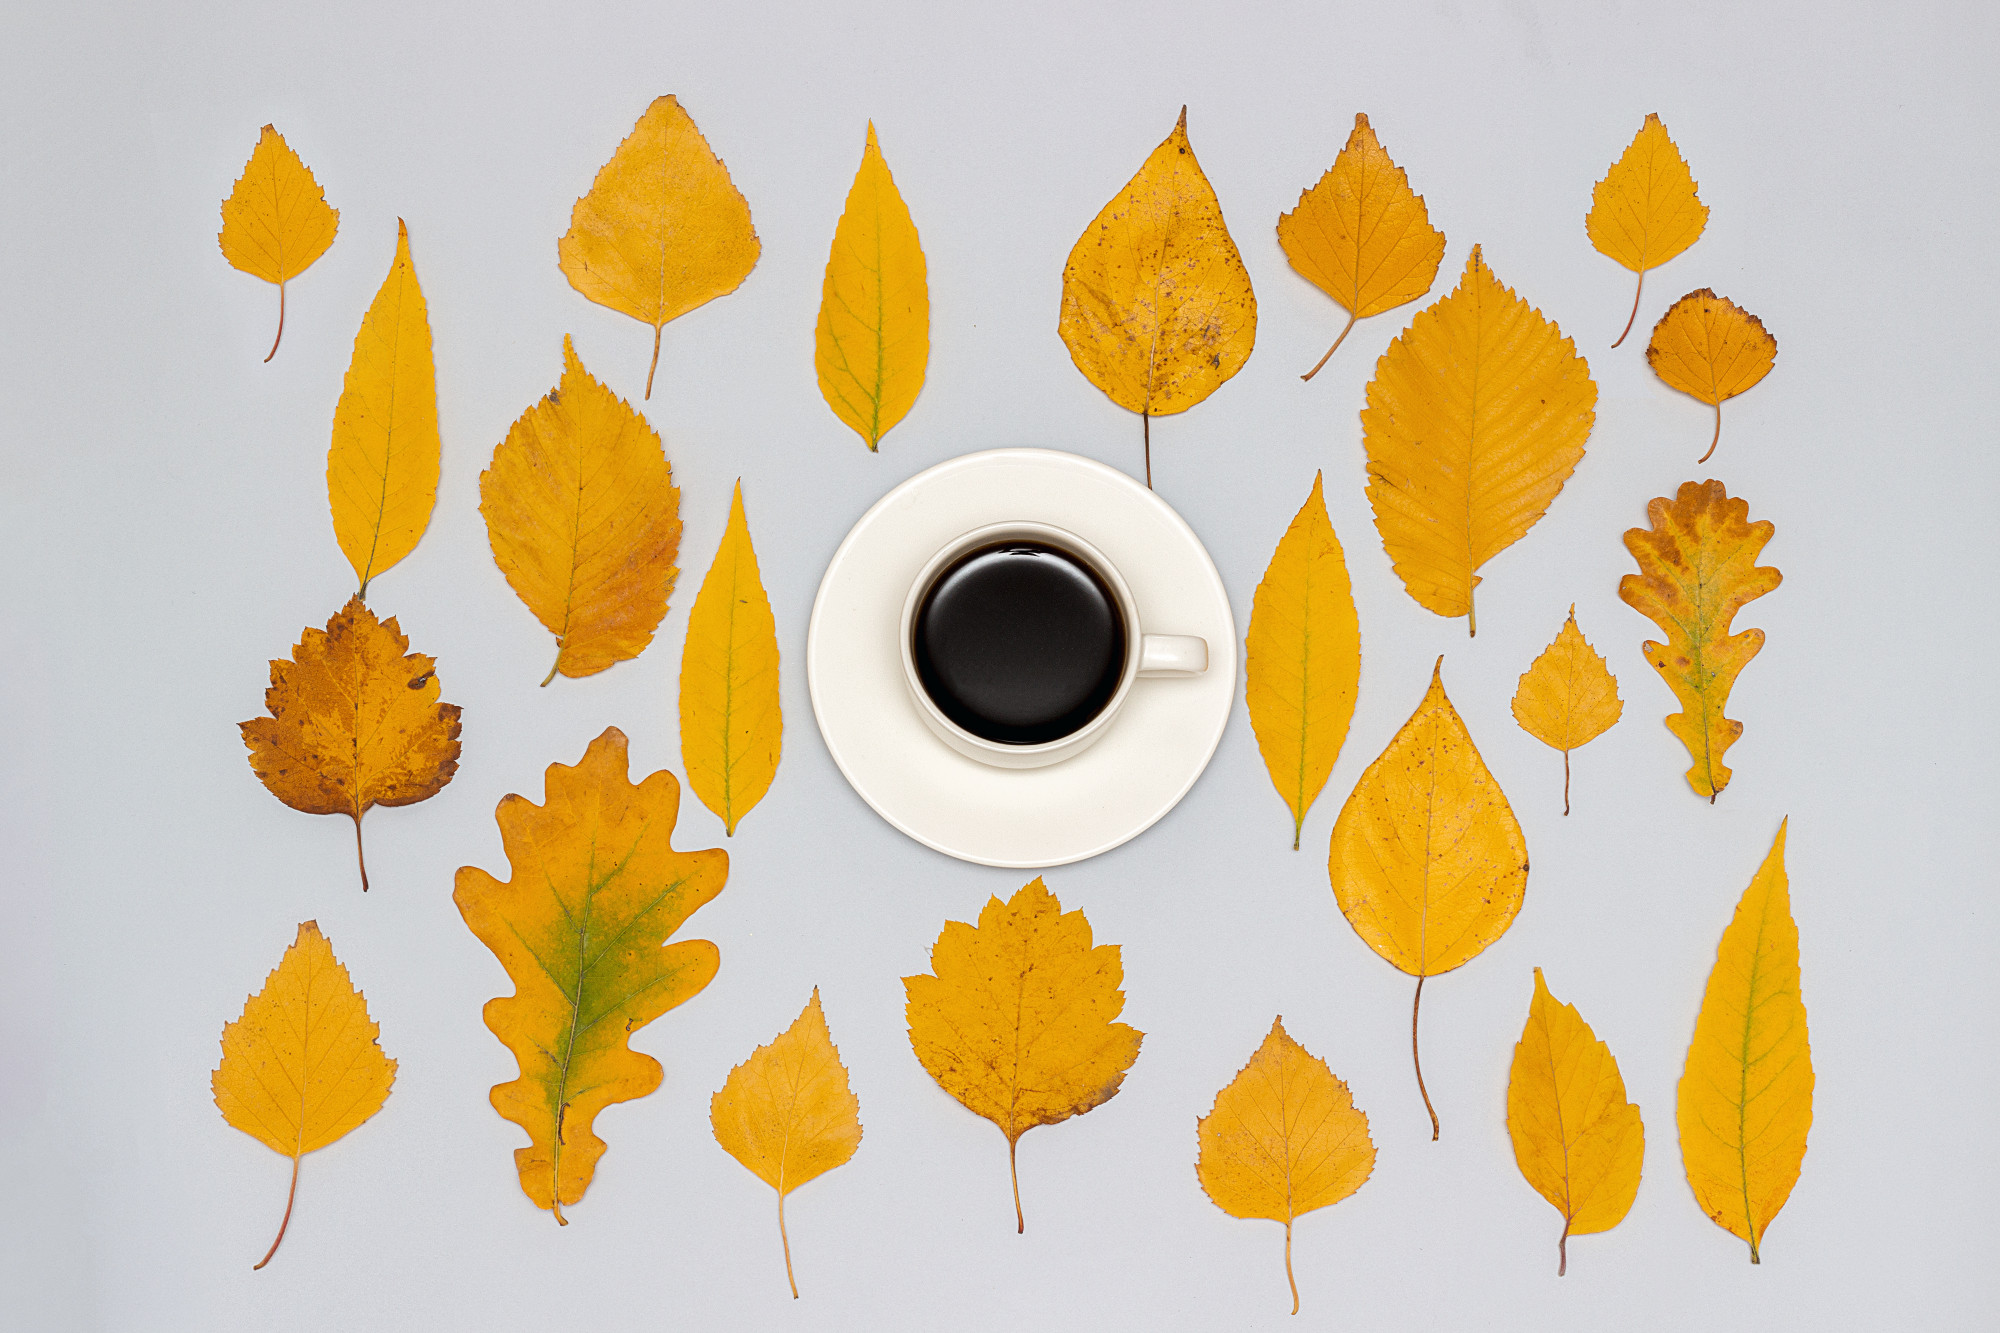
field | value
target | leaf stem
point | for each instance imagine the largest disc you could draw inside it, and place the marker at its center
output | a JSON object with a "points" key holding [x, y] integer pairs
{"points": [[1562, 1251], [786, 1241], [1146, 433], [1717, 438], [1417, 1059], [274, 347], [1322, 361], [1635, 307], [1020, 1222], [1471, 616], [1288, 1257], [360, 857], [293, 1194], [553, 666], [655, 365], [1565, 782]]}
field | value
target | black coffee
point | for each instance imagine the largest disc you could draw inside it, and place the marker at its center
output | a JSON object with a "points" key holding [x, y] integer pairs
{"points": [[1019, 642]]}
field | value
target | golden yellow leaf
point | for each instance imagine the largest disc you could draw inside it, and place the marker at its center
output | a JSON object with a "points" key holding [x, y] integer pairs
{"points": [[1477, 415], [731, 723], [1645, 210], [302, 1066], [585, 520], [1015, 1018], [597, 889], [1745, 1102], [382, 470], [1157, 309], [1427, 860], [1567, 696], [787, 1112], [1698, 568], [874, 334], [663, 228], [1283, 1139], [355, 723], [1362, 235], [1302, 662], [276, 220], [1709, 346], [1576, 1138]]}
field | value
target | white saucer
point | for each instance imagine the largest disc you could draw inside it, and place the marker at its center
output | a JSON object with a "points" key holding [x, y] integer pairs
{"points": [[1114, 791]]}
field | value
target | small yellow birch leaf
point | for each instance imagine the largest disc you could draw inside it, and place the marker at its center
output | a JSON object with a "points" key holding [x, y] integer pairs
{"points": [[1157, 309], [731, 723], [874, 334], [787, 1113], [1645, 210], [663, 229], [382, 469], [1362, 235], [302, 1066], [1302, 660], [1708, 346], [1567, 696], [1477, 415], [585, 520], [1745, 1102], [1698, 568], [1427, 860], [1015, 1018], [1283, 1139], [1576, 1139], [276, 220]]}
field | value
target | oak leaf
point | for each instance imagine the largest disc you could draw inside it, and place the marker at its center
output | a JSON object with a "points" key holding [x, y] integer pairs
{"points": [[1015, 1018], [1745, 1101], [1283, 1139], [787, 1113], [582, 929], [1567, 697], [355, 722], [382, 469], [874, 335], [1362, 235], [302, 1066], [1157, 309], [663, 228], [276, 220], [1645, 210], [1708, 346], [731, 721], [585, 520], [1698, 568], [1427, 860], [1576, 1139], [1302, 661], [1477, 415]]}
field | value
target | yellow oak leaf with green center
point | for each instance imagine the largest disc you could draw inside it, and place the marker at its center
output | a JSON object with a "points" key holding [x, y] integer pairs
{"points": [[1567, 697], [1645, 210], [1711, 348], [731, 721], [276, 220]]}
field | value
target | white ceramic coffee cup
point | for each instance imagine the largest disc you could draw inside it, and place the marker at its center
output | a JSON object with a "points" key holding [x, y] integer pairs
{"points": [[1145, 654]]}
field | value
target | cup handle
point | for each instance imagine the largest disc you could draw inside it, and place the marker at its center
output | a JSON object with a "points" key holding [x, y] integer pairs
{"points": [[1172, 655]]}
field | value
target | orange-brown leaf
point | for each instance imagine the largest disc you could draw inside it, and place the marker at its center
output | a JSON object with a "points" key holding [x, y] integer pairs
{"points": [[1708, 346]]}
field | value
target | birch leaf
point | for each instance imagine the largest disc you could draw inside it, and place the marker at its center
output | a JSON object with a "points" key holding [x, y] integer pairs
{"points": [[1645, 210], [731, 722], [1477, 415], [874, 334], [276, 220], [1708, 346], [1567, 696], [1745, 1104], [1302, 661], [663, 228], [582, 928]]}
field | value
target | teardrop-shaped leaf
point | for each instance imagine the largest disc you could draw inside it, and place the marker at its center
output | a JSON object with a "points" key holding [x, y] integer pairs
{"points": [[276, 220], [1645, 210], [1567, 696], [731, 722]]}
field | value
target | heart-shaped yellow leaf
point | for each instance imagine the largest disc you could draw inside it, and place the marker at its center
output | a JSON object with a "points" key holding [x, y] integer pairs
{"points": [[1567, 696], [1708, 346]]}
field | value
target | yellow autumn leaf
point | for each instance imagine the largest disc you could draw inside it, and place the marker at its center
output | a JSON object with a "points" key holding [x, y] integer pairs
{"points": [[1477, 415], [1698, 568], [1745, 1103], [1576, 1138], [787, 1113], [1015, 1018], [1157, 309], [382, 469], [663, 228], [1362, 235], [874, 334], [1302, 660], [1708, 346], [585, 520], [354, 723], [731, 723], [1567, 696], [1283, 1139], [302, 1066], [1645, 210], [276, 220], [582, 928], [1427, 860]]}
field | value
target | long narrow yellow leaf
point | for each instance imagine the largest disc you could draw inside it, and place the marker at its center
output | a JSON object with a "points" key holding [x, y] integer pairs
{"points": [[731, 723]]}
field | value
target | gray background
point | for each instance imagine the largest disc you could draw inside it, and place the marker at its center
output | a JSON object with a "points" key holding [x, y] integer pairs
{"points": [[166, 533]]}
